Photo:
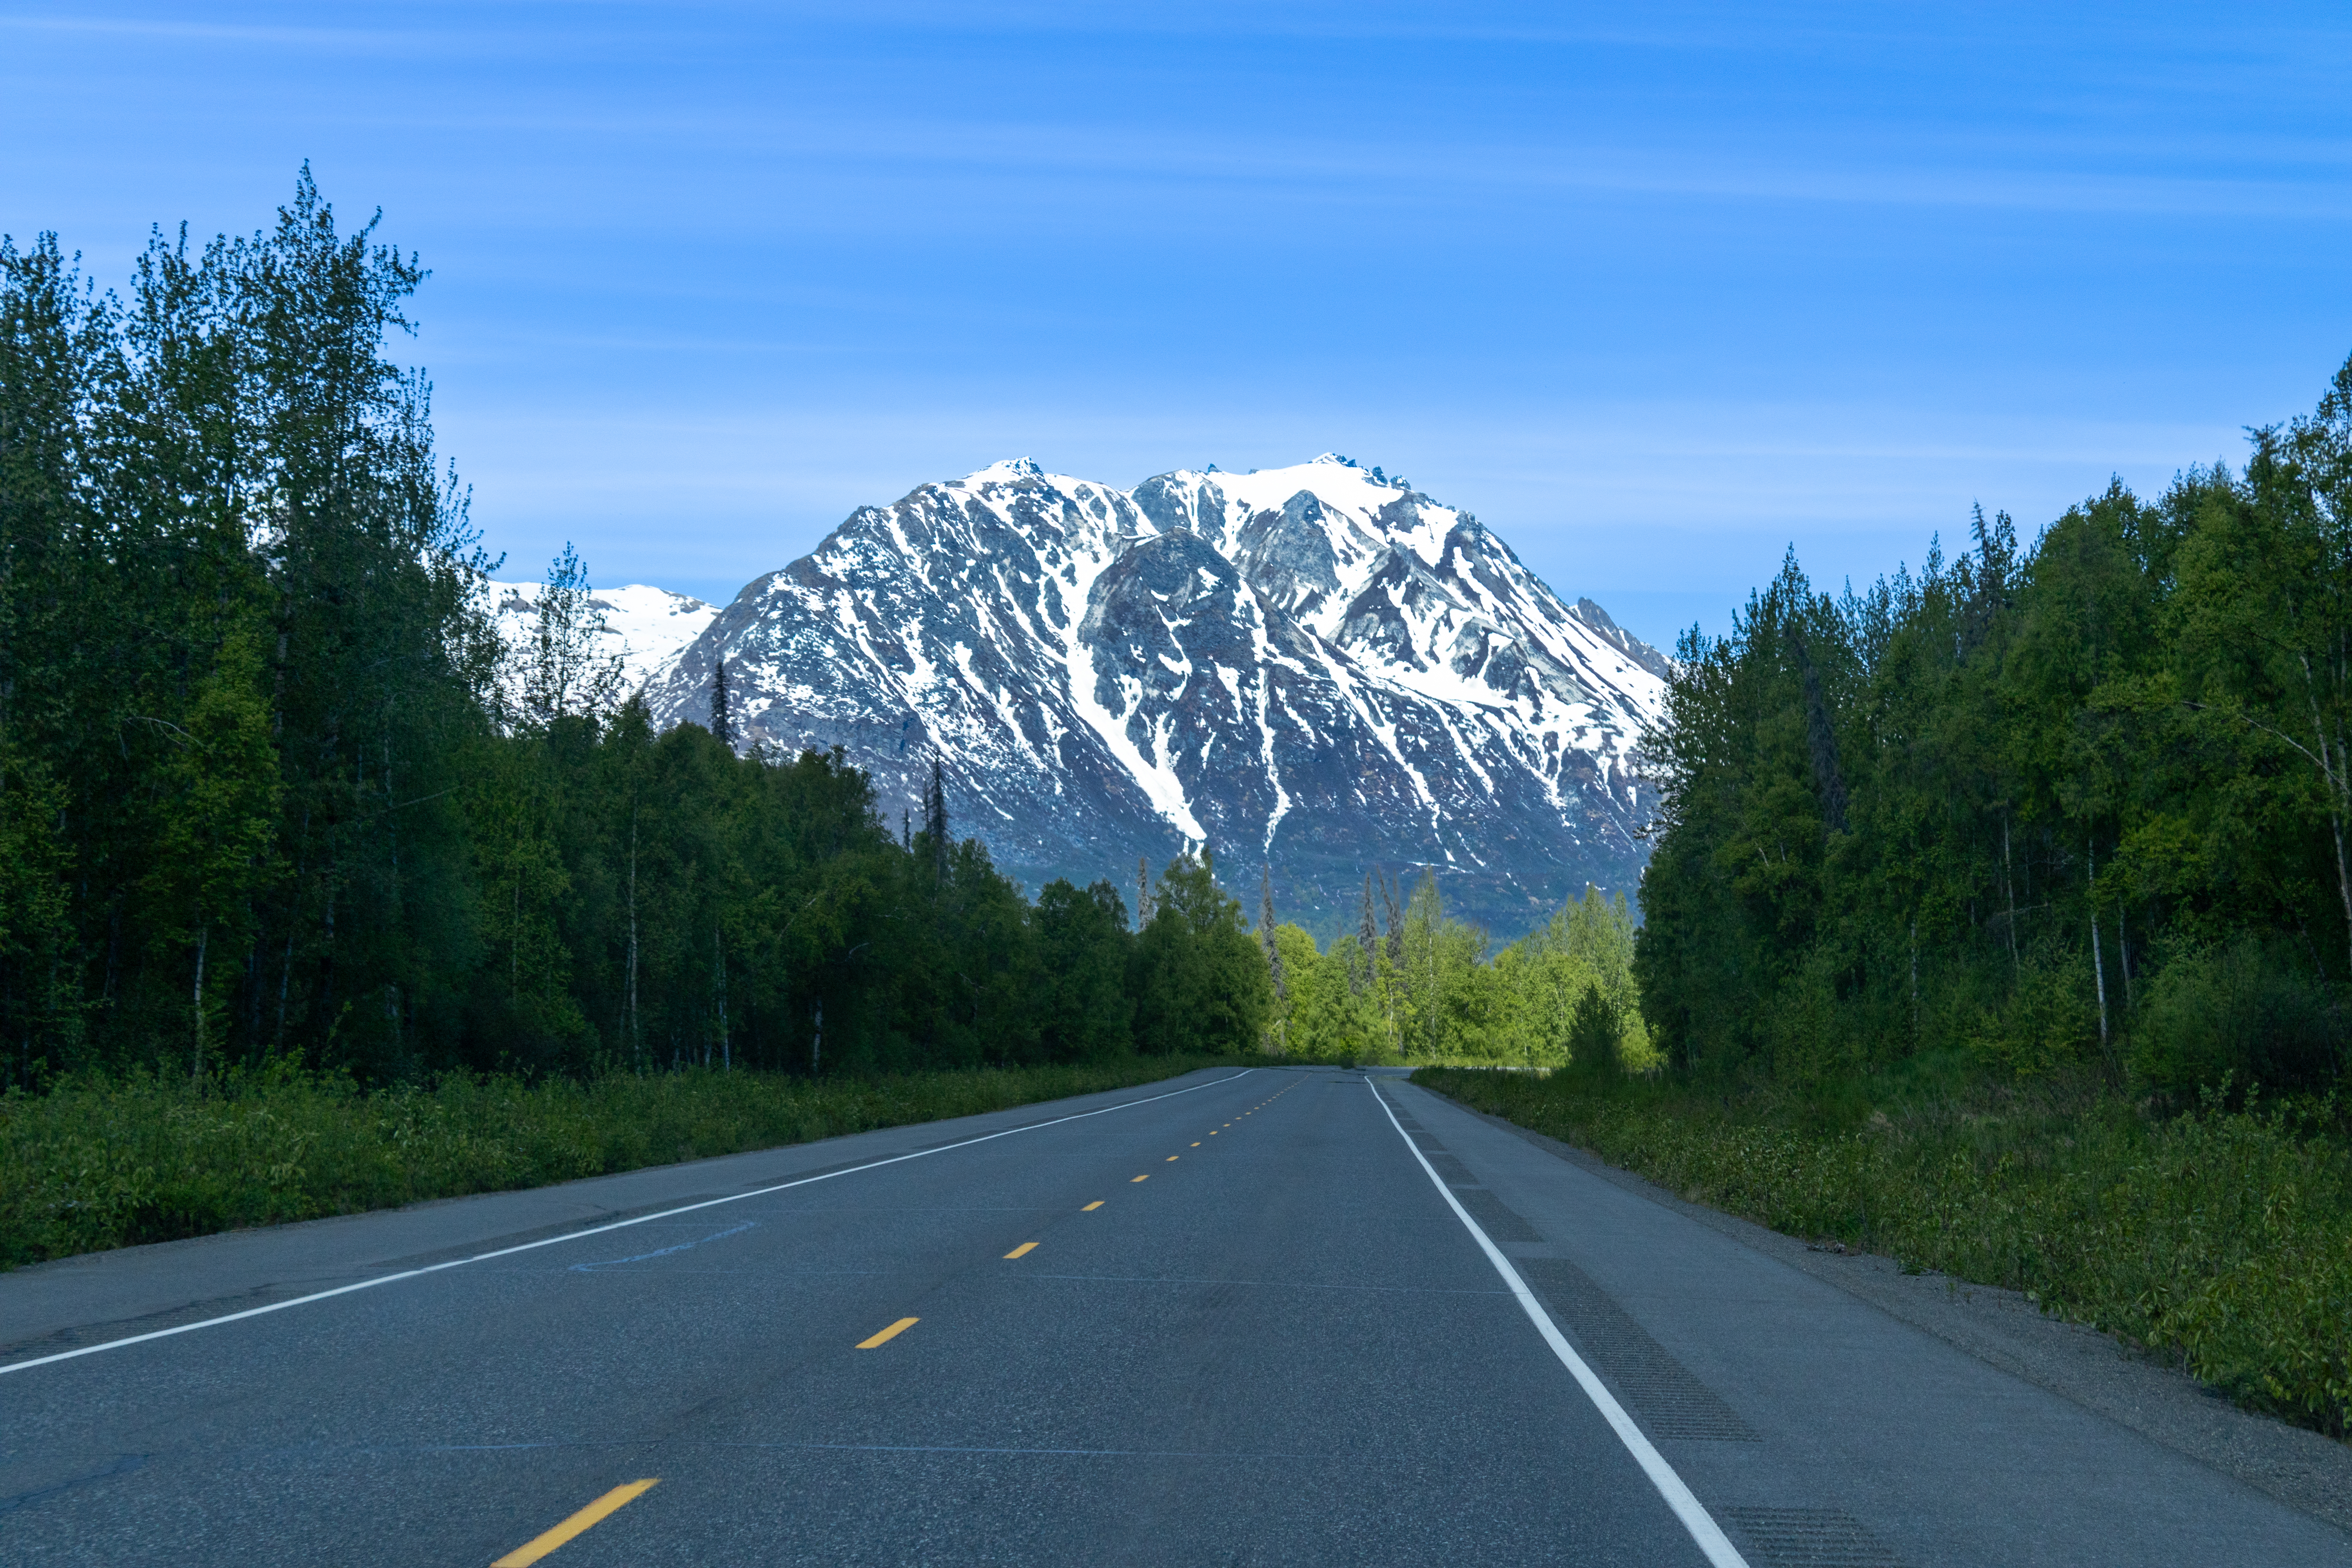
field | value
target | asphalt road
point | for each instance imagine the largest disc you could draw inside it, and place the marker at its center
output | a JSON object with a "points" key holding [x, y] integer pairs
{"points": [[1264, 1317]]}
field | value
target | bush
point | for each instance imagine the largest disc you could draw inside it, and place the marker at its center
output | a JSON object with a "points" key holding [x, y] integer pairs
{"points": [[1593, 1033], [2243, 1014], [2050, 1019]]}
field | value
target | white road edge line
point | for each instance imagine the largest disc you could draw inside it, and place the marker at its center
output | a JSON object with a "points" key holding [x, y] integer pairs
{"points": [[596, 1230], [1703, 1531]]}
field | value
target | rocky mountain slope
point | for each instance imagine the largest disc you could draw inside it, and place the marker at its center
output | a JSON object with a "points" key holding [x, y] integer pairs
{"points": [[1317, 668]]}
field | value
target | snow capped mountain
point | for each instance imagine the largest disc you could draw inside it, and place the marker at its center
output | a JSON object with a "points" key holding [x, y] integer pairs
{"points": [[1315, 666], [647, 627]]}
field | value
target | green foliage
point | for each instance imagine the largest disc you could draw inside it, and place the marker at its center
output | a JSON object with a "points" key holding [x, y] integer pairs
{"points": [[101, 1163], [270, 790], [1200, 979], [1429, 991], [1992, 807], [1593, 1029], [2221, 1239], [1086, 1014], [2216, 1012]]}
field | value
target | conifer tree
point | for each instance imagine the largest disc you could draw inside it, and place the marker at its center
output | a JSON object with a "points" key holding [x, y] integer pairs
{"points": [[723, 722], [1389, 891], [1265, 934], [935, 819]]}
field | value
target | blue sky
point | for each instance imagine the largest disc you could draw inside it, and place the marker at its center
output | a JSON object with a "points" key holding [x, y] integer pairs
{"points": [[1656, 291]]}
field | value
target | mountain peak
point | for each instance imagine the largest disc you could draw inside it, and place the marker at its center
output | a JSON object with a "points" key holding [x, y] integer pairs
{"points": [[1012, 468], [1317, 665]]}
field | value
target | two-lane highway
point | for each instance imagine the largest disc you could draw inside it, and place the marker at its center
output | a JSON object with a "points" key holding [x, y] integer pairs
{"points": [[1266, 1316]]}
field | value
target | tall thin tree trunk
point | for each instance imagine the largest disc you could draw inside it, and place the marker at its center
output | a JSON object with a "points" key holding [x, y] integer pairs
{"points": [[2343, 877], [2332, 764], [203, 938], [2008, 890], [2123, 940], [718, 981], [637, 1044], [1915, 977], [2098, 960], [293, 917]]}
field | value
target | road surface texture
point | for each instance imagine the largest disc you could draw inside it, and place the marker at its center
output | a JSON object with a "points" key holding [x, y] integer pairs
{"points": [[1270, 1316]]}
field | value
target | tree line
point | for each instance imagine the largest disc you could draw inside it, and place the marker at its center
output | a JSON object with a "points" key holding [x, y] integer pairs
{"points": [[271, 788], [1412, 983], [2081, 801]]}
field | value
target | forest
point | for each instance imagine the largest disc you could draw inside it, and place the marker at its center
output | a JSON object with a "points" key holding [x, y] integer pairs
{"points": [[2076, 805], [272, 792], [1999, 921], [1412, 983]]}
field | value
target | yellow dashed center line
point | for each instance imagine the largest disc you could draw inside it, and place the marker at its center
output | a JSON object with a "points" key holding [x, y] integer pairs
{"points": [[887, 1335], [610, 1502], [1092, 1206], [1023, 1250], [1173, 1158], [1145, 1177], [1196, 1145]]}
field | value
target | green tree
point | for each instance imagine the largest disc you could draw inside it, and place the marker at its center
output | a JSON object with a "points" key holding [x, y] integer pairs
{"points": [[1202, 982], [1082, 950], [220, 802]]}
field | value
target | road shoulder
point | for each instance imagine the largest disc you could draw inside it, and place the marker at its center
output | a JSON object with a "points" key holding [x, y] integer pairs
{"points": [[2303, 1469]]}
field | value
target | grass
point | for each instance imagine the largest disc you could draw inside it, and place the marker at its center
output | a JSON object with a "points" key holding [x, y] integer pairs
{"points": [[104, 1163], [2220, 1240]]}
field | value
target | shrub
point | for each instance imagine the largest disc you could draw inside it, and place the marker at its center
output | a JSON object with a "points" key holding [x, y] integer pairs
{"points": [[2246, 1013]]}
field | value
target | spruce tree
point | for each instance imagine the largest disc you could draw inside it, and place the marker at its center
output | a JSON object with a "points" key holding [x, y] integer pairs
{"points": [[1396, 923], [1265, 934], [935, 819], [722, 720]]}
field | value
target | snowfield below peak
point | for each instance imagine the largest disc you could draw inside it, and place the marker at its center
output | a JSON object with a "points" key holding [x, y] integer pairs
{"points": [[647, 628]]}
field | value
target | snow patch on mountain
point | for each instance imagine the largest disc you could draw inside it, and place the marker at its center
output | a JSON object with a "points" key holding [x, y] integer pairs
{"points": [[647, 627]]}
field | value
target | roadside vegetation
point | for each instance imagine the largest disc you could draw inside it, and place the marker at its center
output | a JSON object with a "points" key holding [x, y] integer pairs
{"points": [[101, 1162], [2000, 920], [2219, 1239], [2083, 804], [315, 896], [1412, 983]]}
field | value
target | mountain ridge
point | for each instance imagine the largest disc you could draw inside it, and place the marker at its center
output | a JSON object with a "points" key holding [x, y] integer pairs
{"points": [[1316, 666]]}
